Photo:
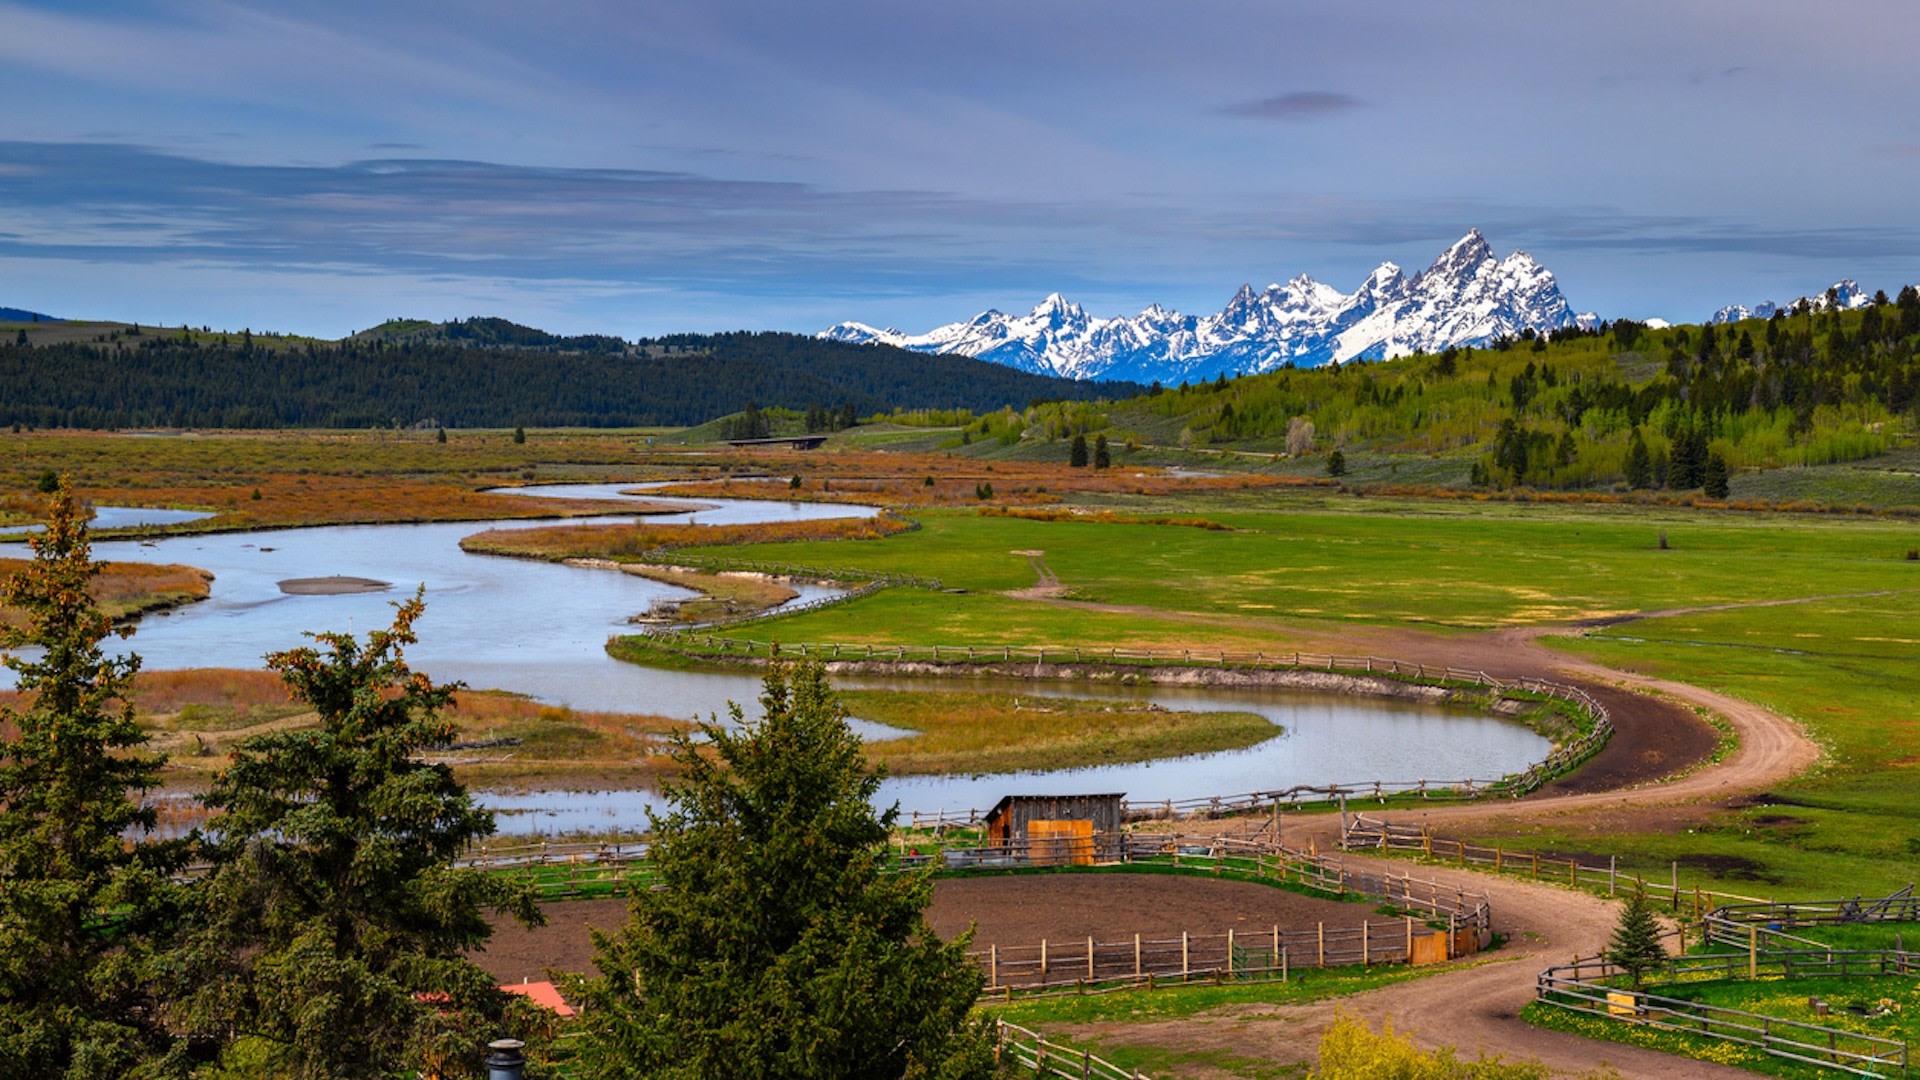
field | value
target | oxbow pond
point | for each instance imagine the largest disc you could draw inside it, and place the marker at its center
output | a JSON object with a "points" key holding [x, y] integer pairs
{"points": [[541, 628]]}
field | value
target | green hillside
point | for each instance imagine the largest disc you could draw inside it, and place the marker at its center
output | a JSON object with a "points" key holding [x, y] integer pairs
{"points": [[1744, 406]]}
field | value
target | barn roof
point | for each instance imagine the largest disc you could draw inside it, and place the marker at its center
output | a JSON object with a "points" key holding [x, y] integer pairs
{"points": [[1009, 800]]}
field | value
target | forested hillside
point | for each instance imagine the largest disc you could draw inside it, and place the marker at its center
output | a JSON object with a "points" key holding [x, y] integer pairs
{"points": [[1620, 406], [483, 373]]}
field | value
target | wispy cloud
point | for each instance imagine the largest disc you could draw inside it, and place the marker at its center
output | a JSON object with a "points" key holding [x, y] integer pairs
{"points": [[1298, 105], [136, 205]]}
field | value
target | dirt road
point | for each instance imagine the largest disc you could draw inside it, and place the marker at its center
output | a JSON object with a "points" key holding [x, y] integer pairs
{"points": [[1474, 1009]]}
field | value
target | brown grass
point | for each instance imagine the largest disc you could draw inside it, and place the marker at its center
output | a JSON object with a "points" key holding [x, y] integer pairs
{"points": [[197, 716], [895, 479], [124, 589], [631, 542], [958, 732], [722, 595]]}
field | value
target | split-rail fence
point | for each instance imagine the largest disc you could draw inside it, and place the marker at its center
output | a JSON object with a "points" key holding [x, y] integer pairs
{"points": [[1759, 945]]}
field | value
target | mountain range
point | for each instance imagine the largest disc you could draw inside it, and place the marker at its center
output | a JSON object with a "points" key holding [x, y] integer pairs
{"points": [[1844, 295], [1467, 297]]}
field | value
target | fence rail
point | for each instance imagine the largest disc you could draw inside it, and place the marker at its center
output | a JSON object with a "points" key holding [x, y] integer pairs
{"points": [[1439, 923], [1362, 833], [1581, 987], [1762, 948], [1030, 1050]]}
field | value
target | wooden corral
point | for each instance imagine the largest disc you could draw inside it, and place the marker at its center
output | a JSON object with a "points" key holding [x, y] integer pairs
{"points": [[1058, 830]]}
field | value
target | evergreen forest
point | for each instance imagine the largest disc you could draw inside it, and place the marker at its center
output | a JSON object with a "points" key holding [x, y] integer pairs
{"points": [[467, 375]]}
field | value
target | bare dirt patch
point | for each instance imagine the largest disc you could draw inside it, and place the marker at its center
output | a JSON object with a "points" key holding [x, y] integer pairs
{"points": [[1008, 910]]}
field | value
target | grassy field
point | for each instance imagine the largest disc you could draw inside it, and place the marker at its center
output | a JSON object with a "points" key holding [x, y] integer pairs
{"points": [[1786, 999], [1293, 564], [1469, 565], [1307, 566], [985, 732]]}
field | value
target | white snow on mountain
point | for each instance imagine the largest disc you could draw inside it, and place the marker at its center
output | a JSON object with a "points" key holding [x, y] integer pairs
{"points": [[1467, 297], [1844, 295]]}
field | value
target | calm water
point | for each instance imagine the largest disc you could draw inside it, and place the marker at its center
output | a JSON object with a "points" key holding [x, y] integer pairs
{"points": [[540, 629], [1319, 738]]}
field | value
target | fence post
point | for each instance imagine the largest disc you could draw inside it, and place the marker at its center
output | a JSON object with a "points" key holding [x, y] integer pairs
{"points": [[1089, 957], [1323, 944], [1229, 951], [1136, 956], [1612, 872], [993, 966], [1183, 956], [1409, 941], [1283, 963], [1366, 949], [1043, 961]]}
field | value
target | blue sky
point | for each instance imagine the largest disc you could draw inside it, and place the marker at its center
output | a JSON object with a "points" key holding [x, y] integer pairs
{"points": [[639, 167]]}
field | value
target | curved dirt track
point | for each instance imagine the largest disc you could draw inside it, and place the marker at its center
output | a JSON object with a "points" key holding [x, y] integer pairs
{"points": [[1769, 747], [1476, 1007]]}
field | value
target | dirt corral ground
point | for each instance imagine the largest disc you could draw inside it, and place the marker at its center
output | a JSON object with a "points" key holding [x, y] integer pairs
{"points": [[1006, 911]]}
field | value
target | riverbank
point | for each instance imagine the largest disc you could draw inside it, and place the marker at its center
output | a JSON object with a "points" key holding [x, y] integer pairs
{"points": [[125, 590]]}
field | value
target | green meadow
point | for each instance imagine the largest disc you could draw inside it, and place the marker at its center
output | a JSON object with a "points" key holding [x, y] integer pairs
{"points": [[1839, 651], [1463, 565]]}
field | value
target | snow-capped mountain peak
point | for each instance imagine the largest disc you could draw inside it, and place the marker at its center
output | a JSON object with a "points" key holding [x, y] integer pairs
{"points": [[1843, 295], [1466, 297]]}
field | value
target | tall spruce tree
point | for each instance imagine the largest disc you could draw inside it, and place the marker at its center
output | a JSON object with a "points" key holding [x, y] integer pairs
{"points": [[332, 926], [775, 946], [1635, 946], [1077, 452], [84, 888], [1715, 483], [1639, 462]]}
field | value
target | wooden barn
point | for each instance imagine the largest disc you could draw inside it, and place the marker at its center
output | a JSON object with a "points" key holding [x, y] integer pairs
{"points": [[1058, 830]]}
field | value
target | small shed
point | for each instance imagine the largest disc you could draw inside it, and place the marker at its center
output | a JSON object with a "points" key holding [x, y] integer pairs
{"points": [[1058, 830]]}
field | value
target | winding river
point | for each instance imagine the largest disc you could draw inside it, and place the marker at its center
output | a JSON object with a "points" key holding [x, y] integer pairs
{"points": [[540, 629]]}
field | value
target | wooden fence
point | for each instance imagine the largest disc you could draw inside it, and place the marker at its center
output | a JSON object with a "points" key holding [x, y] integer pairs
{"points": [[1585, 986], [1080, 964], [1440, 922], [1737, 924], [1363, 833], [1024, 1048], [1761, 947]]}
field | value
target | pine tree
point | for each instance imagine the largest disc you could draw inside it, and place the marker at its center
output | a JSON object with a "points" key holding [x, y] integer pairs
{"points": [[1639, 463], [1337, 463], [76, 854], [774, 944], [1102, 457], [1635, 947], [332, 925], [1715, 483], [1077, 454], [519, 436]]}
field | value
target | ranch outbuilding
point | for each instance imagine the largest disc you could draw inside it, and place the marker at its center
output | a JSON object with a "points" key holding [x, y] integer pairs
{"points": [[1056, 830]]}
